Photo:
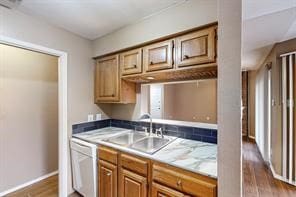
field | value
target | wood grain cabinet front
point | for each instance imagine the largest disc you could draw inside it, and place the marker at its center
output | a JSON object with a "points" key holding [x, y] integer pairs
{"points": [[107, 79], [159, 56], [196, 48], [184, 181], [132, 184], [163, 191], [126, 175], [109, 87], [131, 62], [107, 179]]}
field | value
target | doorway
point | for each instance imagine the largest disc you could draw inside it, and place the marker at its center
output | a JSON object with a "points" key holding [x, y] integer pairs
{"points": [[62, 109], [29, 116]]}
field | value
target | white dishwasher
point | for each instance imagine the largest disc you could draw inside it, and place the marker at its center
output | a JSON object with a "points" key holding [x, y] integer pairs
{"points": [[84, 167]]}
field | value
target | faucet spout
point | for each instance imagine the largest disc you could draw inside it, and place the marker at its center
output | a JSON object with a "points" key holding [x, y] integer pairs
{"points": [[149, 116]]}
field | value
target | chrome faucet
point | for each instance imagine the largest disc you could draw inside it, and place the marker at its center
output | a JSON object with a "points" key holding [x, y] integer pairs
{"points": [[149, 116]]}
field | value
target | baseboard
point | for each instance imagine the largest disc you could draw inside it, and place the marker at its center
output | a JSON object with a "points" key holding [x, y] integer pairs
{"points": [[28, 183], [279, 177], [249, 138], [252, 139]]}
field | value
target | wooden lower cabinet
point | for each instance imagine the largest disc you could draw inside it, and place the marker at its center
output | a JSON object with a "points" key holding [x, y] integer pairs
{"points": [[107, 179], [132, 184], [126, 175], [163, 191]]}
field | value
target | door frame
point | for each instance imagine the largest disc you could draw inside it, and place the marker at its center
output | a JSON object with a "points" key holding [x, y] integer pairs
{"points": [[269, 113], [62, 103]]}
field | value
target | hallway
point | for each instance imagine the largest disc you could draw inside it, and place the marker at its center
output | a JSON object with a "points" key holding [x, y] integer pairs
{"points": [[257, 178]]}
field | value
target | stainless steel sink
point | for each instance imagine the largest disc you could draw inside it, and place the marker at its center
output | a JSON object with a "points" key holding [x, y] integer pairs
{"points": [[127, 138], [150, 144]]}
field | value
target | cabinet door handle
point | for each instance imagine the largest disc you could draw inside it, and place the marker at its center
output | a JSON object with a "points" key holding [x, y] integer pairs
{"points": [[109, 174], [186, 57], [173, 47], [151, 63], [135, 66], [112, 95]]}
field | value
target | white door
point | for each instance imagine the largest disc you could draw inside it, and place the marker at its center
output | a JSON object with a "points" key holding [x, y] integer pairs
{"points": [[156, 100]]}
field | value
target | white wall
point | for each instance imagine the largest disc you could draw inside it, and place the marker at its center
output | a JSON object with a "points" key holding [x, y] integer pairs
{"points": [[261, 112], [229, 99], [80, 65], [192, 13], [186, 101], [29, 116]]}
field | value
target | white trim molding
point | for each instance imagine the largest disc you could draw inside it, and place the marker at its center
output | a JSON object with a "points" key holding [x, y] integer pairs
{"points": [[279, 177], [63, 104], [28, 183]]}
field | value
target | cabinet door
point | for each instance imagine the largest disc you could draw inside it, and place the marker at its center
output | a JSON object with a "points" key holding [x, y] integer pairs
{"points": [[107, 179], [132, 184], [107, 79], [163, 191], [159, 56], [196, 48], [131, 62]]}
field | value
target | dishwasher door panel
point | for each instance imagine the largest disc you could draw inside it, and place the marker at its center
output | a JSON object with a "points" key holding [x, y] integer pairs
{"points": [[83, 174]]}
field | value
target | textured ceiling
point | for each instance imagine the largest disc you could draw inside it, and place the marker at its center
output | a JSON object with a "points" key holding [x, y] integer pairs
{"points": [[94, 18], [265, 23]]}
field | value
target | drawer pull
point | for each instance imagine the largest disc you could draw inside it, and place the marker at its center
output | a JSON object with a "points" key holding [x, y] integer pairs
{"points": [[179, 183], [186, 57]]}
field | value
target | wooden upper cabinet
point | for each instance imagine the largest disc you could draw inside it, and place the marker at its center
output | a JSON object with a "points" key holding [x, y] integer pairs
{"points": [[159, 56], [196, 48], [107, 179], [132, 184], [107, 79], [131, 62], [109, 87]]}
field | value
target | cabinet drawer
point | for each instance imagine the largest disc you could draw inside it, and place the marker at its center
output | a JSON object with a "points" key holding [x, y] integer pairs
{"points": [[184, 181], [135, 164], [162, 191], [131, 62], [107, 154], [196, 48]]}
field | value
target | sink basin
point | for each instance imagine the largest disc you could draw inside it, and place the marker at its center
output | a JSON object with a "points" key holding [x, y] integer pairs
{"points": [[127, 138], [150, 144]]}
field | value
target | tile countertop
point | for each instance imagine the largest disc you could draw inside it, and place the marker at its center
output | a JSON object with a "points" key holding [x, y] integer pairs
{"points": [[195, 156]]}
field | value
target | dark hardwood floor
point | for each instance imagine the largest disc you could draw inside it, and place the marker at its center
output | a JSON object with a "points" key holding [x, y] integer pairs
{"points": [[47, 187], [258, 180], [44, 188]]}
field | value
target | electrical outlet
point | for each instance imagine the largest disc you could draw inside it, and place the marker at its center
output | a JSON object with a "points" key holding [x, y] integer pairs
{"points": [[90, 117], [98, 116]]}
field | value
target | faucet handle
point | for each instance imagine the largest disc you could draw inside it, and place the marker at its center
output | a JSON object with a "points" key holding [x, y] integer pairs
{"points": [[145, 129], [159, 130]]}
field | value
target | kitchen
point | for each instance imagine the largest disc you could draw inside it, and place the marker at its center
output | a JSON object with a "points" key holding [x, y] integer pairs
{"points": [[159, 153], [107, 82]]}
